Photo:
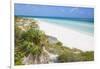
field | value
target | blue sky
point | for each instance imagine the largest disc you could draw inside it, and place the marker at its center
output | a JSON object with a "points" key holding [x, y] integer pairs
{"points": [[53, 11]]}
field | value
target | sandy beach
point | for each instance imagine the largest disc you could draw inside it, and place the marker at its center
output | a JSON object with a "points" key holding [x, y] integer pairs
{"points": [[68, 37]]}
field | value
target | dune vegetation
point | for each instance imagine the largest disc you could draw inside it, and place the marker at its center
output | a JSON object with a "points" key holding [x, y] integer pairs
{"points": [[32, 46]]}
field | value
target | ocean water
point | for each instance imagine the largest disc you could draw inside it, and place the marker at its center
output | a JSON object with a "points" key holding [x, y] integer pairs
{"points": [[85, 27]]}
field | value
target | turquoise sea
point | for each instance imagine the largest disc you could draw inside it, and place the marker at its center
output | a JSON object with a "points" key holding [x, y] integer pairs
{"points": [[85, 27]]}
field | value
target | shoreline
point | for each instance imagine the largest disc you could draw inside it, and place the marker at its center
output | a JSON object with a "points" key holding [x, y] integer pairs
{"points": [[69, 37]]}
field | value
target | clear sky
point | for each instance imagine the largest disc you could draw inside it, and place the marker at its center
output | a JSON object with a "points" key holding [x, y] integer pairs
{"points": [[53, 11]]}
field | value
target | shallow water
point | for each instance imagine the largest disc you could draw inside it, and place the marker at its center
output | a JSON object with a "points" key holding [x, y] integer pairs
{"points": [[84, 27]]}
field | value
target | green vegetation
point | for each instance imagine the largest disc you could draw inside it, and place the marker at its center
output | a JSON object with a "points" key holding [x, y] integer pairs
{"points": [[88, 56], [27, 42], [72, 57], [30, 40]]}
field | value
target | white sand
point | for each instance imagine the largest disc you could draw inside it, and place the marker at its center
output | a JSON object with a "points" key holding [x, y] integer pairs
{"points": [[68, 37]]}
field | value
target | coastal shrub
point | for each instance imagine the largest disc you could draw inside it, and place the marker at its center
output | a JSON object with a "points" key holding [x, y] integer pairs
{"points": [[73, 57], [59, 43], [18, 57], [66, 57], [33, 35], [88, 56], [27, 42]]}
